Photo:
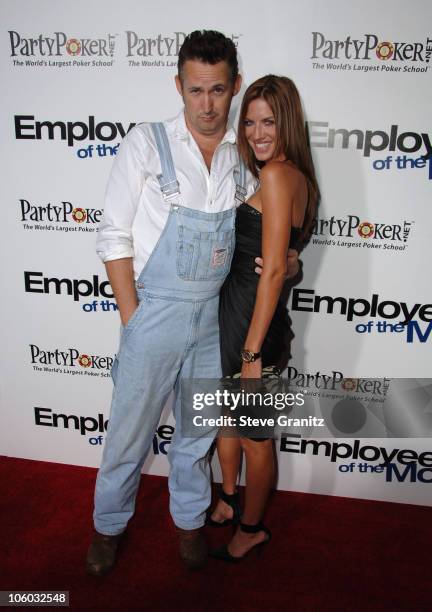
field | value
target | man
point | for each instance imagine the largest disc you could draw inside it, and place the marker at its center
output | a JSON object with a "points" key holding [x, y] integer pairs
{"points": [[166, 239]]}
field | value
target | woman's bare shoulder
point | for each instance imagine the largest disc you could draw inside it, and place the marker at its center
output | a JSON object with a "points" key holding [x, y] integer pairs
{"points": [[282, 172]]}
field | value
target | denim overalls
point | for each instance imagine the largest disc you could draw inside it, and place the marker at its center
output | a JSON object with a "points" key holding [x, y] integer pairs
{"points": [[173, 334]]}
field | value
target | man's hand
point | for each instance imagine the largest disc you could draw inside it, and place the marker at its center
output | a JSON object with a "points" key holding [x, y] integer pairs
{"points": [[127, 313], [292, 266]]}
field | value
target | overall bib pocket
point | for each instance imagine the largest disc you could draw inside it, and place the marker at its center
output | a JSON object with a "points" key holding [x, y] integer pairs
{"points": [[204, 255]]}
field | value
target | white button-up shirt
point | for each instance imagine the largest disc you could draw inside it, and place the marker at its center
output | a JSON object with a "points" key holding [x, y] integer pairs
{"points": [[135, 212]]}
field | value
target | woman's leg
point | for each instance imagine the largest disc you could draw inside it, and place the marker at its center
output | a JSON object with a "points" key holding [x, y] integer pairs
{"points": [[260, 473], [229, 453], [259, 478]]}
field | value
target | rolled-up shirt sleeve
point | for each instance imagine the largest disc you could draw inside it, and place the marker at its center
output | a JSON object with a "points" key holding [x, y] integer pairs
{"points": [[123, 192]]}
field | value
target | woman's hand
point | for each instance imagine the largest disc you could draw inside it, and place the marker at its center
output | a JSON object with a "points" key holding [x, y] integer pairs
{"points": [[252, 370]]}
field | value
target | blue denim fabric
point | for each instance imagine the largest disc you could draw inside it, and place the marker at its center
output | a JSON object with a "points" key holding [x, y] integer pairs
{"points": [[173, 334]]}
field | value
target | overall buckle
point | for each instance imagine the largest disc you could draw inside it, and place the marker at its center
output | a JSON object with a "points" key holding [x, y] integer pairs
{"points": [[169, 190], [240, 194]]}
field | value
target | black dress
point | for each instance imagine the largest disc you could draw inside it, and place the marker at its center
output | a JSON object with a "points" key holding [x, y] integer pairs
{"points": [[238, 293]]}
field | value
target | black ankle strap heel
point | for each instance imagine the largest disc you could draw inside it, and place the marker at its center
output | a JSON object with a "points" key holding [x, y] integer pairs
{"points": [[223, 553], [231, 500], [255, 529]]}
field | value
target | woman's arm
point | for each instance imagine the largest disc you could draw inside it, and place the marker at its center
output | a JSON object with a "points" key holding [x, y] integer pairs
{"points": [[279, 185]]}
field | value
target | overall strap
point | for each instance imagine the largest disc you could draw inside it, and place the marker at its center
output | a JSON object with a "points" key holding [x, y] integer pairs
{"points": [[168, 182], [240, 180]]}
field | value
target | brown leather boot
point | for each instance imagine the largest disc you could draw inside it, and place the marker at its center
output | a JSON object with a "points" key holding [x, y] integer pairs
{"points": [[102, 554], [193, 547]]}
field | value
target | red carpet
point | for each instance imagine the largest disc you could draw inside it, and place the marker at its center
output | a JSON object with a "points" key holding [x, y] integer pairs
{"points": [[327, 553]]}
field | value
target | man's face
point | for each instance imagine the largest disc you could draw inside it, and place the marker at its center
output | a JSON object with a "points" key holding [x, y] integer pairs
{"points": [[207, 90]]}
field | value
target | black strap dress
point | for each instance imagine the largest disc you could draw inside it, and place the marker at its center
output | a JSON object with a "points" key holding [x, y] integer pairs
{"points": [[238, 293]]}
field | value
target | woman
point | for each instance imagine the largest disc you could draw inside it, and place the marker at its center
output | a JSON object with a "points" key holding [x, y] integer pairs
{"points": [[253, 319]]}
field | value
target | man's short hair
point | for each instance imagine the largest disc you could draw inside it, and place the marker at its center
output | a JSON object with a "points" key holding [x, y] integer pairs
{"points": [[210, 47]]}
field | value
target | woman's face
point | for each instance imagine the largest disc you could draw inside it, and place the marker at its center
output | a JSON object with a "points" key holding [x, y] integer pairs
{"points": [[260, 129]]}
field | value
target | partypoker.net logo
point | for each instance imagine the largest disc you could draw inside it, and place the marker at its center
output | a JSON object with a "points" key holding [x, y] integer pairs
{"points": [[68, 357], [349, 226], [56, 45], [368, 47]]}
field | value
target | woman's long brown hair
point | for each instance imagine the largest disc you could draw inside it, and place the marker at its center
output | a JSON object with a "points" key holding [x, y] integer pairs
{"points": [[282, 96]]}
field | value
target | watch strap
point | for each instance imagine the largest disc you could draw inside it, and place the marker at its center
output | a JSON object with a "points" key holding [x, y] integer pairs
{"points": [[249, 356]]}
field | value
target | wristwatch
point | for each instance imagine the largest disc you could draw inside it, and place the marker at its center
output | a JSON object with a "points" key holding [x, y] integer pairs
{"points": [[249, 356]]}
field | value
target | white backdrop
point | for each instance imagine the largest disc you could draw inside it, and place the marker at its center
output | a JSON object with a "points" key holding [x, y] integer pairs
{"points": [[91, 70]]}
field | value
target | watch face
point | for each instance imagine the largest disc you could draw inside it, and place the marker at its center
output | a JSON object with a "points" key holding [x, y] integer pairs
{"points": [[247, 356]]}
